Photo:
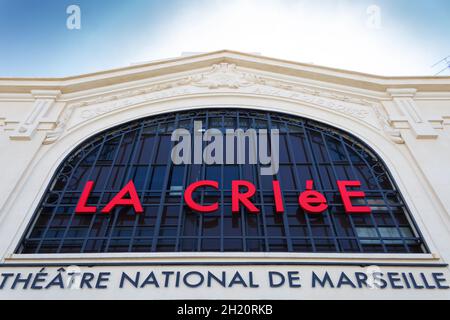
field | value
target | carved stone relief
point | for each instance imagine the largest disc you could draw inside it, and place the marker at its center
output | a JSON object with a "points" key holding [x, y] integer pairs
{"points": [[226, 78], [44, 100]]}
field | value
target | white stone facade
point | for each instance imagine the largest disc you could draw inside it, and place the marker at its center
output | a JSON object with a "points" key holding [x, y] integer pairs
{"points": [[405, 120]]}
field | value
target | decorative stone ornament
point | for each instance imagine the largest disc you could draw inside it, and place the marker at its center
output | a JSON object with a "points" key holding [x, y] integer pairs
{"points": [[410, 114], [44, 100], [221, 79]]}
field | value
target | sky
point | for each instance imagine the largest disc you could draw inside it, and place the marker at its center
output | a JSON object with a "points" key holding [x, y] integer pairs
{"points": [[383, 37]]}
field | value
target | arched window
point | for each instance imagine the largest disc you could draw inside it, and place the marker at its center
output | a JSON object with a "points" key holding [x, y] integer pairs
{"points": [[140, 151]]}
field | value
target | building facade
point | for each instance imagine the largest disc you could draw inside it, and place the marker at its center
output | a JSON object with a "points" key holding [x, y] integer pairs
{"points": [[93, 206]]}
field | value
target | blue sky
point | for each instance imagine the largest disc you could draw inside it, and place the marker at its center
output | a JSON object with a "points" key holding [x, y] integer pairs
{"points": [[407, 39]]}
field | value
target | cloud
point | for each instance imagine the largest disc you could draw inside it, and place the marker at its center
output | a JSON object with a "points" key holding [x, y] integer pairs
{"points": [[329, 33]]}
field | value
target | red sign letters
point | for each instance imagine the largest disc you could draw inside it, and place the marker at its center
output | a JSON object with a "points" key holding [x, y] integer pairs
{"points": [[311, 201]]}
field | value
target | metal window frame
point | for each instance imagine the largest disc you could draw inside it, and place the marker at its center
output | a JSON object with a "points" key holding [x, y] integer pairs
{"points": [[307, 126]]}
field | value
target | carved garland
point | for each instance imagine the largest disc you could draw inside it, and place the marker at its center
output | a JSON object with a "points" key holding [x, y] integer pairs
{"points": [[227, 76]]}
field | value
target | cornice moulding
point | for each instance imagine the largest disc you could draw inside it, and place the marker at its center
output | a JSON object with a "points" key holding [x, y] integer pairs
{"points": [[164, 67], [226, 79], [402, 92], [45, 94]]}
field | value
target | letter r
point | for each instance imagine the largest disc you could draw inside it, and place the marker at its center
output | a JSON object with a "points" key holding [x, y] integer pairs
{"points": [[243, 198]]}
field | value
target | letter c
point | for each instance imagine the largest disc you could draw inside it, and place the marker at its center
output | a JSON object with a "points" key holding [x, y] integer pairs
{"points": [[194, 205]]}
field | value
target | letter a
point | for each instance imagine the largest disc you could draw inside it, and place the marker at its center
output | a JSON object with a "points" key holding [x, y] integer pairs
{"points": [[119, 200], [73, 21]]}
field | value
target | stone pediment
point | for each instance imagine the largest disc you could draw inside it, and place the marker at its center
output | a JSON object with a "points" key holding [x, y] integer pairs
{"points": [[222, 78], [357, 96]]}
